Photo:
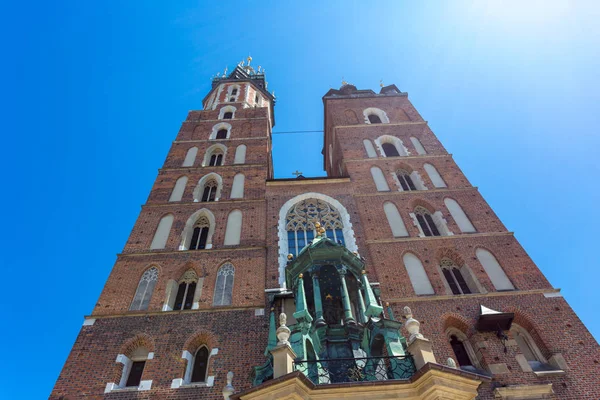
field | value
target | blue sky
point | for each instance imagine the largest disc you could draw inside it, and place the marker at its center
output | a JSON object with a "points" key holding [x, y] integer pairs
{"points": [[94, 93]]}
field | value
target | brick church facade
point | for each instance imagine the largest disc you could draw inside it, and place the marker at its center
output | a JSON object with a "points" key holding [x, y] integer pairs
{"points": [[389, 278]]}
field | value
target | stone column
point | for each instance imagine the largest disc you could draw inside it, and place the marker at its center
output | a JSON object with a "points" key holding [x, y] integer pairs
{"points": [[317, 298], [419, 347], [348, 318], [361, 307], [283, 355], [301, 313]]}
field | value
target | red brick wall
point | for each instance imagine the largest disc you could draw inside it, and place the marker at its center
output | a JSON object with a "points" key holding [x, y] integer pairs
{"points": [[240, 336]]}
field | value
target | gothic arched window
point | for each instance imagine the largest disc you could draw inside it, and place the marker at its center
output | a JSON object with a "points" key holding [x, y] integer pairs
{"points": [[426, 223], [405, 180], [454, 277], [224, 286], [462, 356], [210, 190], [216, 159], [144, 290], [200, 368], [185, 292], [222, 134], [200, 234], [300, 221], [374, 119], [390, 150]]}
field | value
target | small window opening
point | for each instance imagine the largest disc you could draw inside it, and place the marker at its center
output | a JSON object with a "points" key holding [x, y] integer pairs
{"points": [[216, 160], [222, 134], [200, 365], [234, 92], [228, 115], [462, 357], [405, 180], [374, 119], [135, 374], [210, 191], [390, 150], [426, 222]]}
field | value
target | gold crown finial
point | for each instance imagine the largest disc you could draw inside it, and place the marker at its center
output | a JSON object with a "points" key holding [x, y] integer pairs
{"points": [[249, 59], [380, 83], [301, 276], [344, 82]]}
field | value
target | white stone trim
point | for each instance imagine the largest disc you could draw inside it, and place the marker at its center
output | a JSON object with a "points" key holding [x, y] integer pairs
{"points": [[375, 111], [417, 180], [397, 142], [218, 96], [415, 221], [186, 235], [199, 189], [145, 385], [186, 381], [176, 383], [209, 152], [236, 96], [258, 312], [89, 321], [217, 127], [441, 223], [348, 232], [110, 386], [551, 295], [225, 109]]}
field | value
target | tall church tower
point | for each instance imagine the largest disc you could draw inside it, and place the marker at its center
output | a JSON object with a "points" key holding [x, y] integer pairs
{"points": [[389, 278]]}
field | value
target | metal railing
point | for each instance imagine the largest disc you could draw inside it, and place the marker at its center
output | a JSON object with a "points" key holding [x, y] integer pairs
{"points": [[341, 370]]}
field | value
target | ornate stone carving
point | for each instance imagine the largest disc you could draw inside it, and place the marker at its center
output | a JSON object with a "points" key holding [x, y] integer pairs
{"points": [[283, 332]]}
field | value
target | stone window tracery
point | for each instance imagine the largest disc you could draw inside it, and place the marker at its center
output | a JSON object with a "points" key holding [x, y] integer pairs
{"points": [[210, 190], [200, 234], [300, 221], [224, 285], [454, 277], [405, 180], [185, 293], [426, 222], [145, 289]]}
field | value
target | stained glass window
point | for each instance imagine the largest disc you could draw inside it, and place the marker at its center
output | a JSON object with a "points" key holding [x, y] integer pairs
{"points": [[300, 222]]}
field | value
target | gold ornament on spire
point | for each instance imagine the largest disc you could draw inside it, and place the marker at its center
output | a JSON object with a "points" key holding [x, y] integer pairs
{"points": [[381, 83], [249, 60]]}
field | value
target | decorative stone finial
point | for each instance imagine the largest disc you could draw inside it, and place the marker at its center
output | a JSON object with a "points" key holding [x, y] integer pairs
{"points": [[412, 326], [451, 363], [228, 389], [282, 319], [283, 332]]}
